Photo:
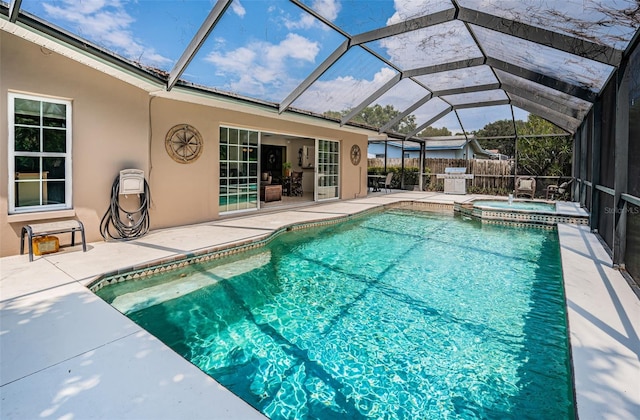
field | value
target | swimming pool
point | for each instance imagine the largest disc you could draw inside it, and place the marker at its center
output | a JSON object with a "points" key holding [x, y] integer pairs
{"points": [[397, 314]]}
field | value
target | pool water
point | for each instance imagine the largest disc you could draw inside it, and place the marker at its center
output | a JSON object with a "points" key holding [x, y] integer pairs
{"points": [[516, 205], [393, 315]]}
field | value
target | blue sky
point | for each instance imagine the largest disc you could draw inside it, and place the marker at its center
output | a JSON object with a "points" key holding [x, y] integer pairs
{"points": [[265, 48]]}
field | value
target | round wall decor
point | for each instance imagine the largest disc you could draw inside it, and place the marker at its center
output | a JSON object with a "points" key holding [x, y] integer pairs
{"points": [[355, 154], [183, 143]]}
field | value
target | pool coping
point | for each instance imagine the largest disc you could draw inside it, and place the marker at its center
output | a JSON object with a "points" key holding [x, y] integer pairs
{"points": [[603, 326]]}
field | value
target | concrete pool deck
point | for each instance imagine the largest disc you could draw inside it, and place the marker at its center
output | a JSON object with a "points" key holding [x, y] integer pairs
{"points": [[65, 353]]}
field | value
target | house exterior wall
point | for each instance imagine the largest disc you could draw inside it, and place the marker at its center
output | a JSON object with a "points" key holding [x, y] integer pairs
{"points": [[445, 154], [109, 128], [117, 126], [393, 151], [378, 149]]}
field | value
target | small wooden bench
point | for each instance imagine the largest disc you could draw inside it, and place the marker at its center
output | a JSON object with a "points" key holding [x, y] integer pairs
{"points": [[44, 229]]}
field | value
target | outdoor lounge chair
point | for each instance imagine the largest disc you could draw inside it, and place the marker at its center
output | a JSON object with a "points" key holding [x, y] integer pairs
{"points": [[558, 192], [386, 182], [525, 186]]}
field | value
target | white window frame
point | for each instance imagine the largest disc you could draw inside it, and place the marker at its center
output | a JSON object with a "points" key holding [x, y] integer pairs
{"points": [[12, 154], [247, 186]]}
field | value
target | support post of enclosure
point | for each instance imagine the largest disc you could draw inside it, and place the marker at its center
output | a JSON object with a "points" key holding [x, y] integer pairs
{"points": [[596, 138], [621, 169]]}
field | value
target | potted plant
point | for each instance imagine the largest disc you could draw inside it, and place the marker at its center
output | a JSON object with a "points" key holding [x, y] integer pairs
{"points": [[286, 167]]}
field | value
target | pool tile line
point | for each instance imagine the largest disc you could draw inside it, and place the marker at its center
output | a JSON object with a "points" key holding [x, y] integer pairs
{"points": [[170, 264], [178, 261], [423, 205], [181, 260]]}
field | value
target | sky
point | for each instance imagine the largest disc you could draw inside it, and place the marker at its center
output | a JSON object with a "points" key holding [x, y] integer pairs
{"points": [[265, 48]]}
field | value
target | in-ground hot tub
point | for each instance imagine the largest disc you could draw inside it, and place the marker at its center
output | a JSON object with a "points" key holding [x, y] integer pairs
{"points": [[518, 205], [518, 212]]}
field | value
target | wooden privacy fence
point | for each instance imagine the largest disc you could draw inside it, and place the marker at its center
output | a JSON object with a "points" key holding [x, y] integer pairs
{"points": [[488, 175]]}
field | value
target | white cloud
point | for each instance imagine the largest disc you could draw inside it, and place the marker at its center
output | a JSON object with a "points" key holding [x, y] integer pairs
{"points": [[107, 23], [261, 68], [91, 6], [326, 8], [304, 22], [409, 9], [294, 46], [402, 95], [234, 61], [238, 8]]}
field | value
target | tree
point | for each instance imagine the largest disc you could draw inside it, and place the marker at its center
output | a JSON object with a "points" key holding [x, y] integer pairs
{"points": [[538, 125], [434, 132], [544, 156], [335, 114], [541, 156], [377, 116], [500, 128]]}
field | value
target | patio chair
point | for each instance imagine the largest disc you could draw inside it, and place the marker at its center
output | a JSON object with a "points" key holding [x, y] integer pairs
{"points": [[558, 192], [296, 184], [525, 186], [386, 182]]}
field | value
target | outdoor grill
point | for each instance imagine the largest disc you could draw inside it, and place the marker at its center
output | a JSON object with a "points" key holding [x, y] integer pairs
{"points": [[455, 180]]}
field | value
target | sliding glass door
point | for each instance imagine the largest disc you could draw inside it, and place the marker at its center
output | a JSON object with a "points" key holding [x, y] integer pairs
{"points": [[328, 170], [238, 170]]}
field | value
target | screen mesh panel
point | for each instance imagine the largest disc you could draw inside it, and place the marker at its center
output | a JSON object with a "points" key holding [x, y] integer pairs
{"points": [[632, 260], [606, 218], [633, 183]]}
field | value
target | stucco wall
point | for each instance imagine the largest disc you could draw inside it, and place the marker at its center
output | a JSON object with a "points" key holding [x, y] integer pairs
{"points": [[109, 128], [188, 193], [118, 126], [182, 193]]}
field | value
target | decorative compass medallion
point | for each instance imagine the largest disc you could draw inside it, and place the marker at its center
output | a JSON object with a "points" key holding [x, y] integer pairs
{"points": [[355, 154], [183, 143]]}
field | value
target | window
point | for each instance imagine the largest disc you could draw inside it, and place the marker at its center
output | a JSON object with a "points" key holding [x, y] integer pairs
{"points": [[39, 154]]}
